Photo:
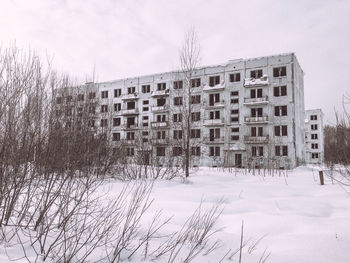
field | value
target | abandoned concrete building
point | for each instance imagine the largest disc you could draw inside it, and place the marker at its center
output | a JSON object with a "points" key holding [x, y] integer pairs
{"points": [[314, 136], [246, 112]]}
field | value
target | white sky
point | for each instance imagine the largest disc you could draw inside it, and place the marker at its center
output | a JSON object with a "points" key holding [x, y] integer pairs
{"points": [[130, 38]]}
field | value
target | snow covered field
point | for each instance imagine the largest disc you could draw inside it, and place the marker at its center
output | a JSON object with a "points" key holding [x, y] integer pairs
{"points": [[298, 219]]}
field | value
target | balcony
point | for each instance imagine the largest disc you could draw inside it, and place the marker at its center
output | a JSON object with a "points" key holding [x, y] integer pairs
{"points": [[220, 104], [128, 142], [256, 101], [214, 122], [159, 124], [213, 140], [160, 108], [130, 112], [159, 93], [160, 141], [132, 96], [256, 139], [252, 82], [217, 87], [129, 126], [256, 120]]}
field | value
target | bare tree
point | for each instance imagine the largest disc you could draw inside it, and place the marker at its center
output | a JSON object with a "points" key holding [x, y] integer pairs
{"points": [[186, 144]]}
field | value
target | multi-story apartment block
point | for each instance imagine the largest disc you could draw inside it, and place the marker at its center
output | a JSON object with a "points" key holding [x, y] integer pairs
{"points": [[314, 136], [247, 112]]}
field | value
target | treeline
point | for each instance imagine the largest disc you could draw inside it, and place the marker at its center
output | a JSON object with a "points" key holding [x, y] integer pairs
{"points": [[337, 144]]}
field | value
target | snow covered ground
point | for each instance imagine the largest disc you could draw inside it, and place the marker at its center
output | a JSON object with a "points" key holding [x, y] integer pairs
{"points": [[299, 220]]}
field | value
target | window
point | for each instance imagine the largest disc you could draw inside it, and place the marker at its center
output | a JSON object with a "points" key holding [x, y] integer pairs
{"points": [[234, 93], [130, 136], [256, 73], [235, 77], [117, 106], [195, 82], [314, 136], [257, 151], [104, 94], [256, 112], [313, 117], [130, 105], [281, 130], [92, 95], [234, 119], [214, 98], [131, 90], [281, 111], [314, 127], [256, 93], [92, 109], [214, 80], [161, 86], [80, 97], [116, 122], [214, 115], [281, 150], [69, 98], [236, 129], [314, 145], [235, 111], [116, 136], [161, 118], [145, 109], [314, 155], [279, 72], [145, 124], [195, 133], [91, 123], [178, 84], [104, 123], [145, 88], [177, 117], [234, 137], [177, 151], [144, 118], [195, 116], [280, 91], [178, 101], [104, 108], [196, 99], [256, 131], [161, 102], [117, 93], [69, 111], [177, 134], [160, 151], [234, 101], [161, 134], [214, 151], [59, 100], [214, 134], [196, 151], [145, 102], [130, 151]]}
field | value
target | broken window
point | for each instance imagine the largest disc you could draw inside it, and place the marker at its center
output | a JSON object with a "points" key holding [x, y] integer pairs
{"points": [[116, 136], [235, 77], [195, 82], [279, 72], [178, 84], [161, 86], [195, 116], [131, 90], [146, 88], [256, 73], [117, 93], [178, 101], [214, 80]]}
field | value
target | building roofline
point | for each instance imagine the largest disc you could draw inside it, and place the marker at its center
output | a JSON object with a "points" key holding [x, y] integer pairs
{"points": [[231, 61]]}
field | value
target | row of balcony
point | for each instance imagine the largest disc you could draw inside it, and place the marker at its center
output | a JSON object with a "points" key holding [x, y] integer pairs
{"points": [[207, 122], [206, 140]]}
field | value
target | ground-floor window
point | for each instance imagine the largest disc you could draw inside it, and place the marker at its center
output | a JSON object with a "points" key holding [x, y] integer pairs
{"points": [[281, 150], [257, 151], [214, 151], [314, 155]]}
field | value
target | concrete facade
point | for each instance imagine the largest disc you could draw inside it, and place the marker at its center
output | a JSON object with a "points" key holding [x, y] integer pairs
{"points": [[250, 112], [314, 136]]}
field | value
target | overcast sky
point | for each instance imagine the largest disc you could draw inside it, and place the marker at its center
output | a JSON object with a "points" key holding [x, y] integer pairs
{"points": [[130, 38]]}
